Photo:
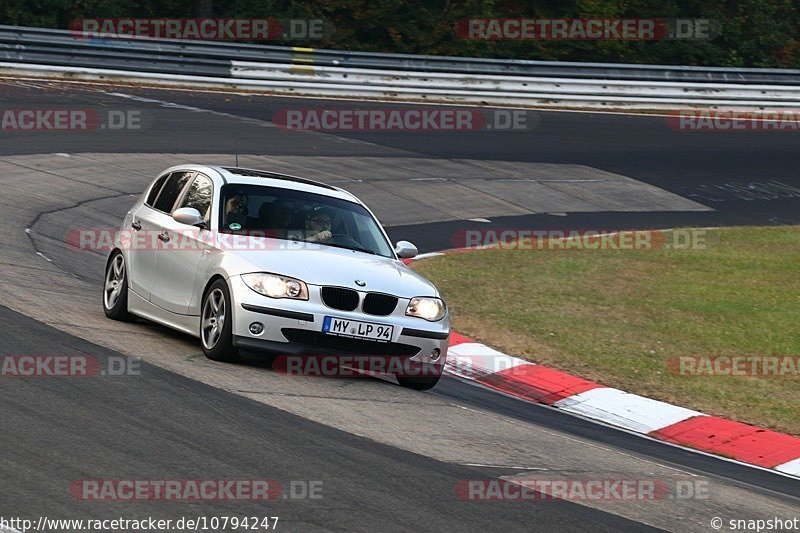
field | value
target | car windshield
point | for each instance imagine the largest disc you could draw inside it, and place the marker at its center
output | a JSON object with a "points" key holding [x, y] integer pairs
{"points": [[300, 216]]}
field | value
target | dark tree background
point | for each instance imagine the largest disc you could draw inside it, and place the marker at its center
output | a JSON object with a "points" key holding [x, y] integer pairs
{"points": [[753, 33]]}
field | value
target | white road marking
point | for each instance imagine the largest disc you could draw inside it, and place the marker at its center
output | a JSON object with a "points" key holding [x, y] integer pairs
{"points": [[247, 120], [40, 254], [506, 467], [172, 105], [631, 411]]}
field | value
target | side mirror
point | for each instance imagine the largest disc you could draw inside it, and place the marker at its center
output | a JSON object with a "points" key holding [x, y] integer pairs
{"points": [[189, 216], [405, 250]]}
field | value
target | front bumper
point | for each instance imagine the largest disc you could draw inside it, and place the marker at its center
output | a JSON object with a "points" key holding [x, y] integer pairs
{"points": [[294, 327]]}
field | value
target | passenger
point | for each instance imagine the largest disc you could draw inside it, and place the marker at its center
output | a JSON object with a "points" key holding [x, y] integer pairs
{"points": [[236, 211]]}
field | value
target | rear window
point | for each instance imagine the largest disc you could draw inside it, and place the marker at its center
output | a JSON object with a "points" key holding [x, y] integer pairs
{"points": [[151, 198], [171, 190]]}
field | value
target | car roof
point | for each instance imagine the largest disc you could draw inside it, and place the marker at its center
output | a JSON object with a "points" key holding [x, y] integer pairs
{"points": [[249, 176]]}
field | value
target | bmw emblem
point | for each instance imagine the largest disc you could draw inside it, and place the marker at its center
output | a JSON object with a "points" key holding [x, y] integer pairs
{"points": [[361, 283]]}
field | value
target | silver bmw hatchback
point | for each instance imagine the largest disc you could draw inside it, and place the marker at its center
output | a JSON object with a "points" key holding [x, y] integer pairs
{"points": [[249, 259]]}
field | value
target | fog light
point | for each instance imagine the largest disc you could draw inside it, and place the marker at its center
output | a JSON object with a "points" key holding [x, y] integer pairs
{"points": [[256, 328], [435, 354]]}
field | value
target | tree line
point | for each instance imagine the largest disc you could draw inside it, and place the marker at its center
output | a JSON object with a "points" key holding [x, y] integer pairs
{"points": [[747, 33]]}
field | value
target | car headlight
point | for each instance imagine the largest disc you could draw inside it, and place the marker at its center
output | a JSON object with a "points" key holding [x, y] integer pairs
{"points": [[431, 309], [276, 286]]}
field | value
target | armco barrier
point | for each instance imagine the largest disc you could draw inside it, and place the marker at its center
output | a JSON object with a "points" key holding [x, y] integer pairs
{"points": [[335, 73]]}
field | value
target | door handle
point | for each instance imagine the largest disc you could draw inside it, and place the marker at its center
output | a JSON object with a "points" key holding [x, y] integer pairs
{"points": [[136, 225], [163, 237]]}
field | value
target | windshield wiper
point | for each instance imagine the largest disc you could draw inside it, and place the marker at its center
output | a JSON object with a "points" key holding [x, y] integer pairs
{"points": [[356, 248]]}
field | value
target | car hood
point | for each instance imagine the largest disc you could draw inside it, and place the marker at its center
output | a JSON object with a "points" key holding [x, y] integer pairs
{"points": [[326, 265]]}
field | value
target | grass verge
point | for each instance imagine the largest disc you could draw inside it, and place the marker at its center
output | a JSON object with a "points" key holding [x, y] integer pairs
{"points": [[622, 317]]}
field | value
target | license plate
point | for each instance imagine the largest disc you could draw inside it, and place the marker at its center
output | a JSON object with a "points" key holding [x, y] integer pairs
{"points": [[343, 327]]}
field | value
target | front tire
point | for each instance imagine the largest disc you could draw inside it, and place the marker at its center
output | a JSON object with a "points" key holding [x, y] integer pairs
{"points": [[216, 324], [425, 383], [115, 289]]}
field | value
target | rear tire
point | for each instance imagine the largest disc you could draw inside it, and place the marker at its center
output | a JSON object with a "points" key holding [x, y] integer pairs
{"points": [[216, 324], [115, 289]]}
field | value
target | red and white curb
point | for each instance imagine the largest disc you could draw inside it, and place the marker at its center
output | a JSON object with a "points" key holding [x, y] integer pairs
{"points": [[753, 445]]}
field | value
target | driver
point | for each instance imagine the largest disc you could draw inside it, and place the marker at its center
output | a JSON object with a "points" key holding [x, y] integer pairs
{"points": [[318, 227]]}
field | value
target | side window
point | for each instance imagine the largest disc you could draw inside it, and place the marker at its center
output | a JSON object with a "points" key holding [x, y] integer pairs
{"points": [[151, 197], [171, 190], [199, 196]]}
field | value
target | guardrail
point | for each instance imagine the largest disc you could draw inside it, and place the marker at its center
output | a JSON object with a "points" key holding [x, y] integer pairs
{"points": [[336, 73]]}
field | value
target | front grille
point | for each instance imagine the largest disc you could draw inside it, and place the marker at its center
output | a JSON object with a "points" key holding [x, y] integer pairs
{"points": [[379, 304], [338, 298], [320, 343]]}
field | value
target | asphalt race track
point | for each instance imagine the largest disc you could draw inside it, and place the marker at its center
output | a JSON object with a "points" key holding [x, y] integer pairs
{"points": [[388, 458], [177, 428]]}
